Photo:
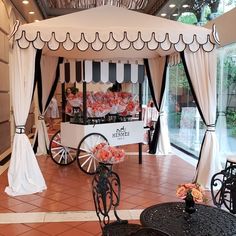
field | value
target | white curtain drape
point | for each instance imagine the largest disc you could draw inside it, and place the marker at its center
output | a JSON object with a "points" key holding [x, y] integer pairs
{"points": [[24, 174], [48, 67], [157, 66], [201, 67], [221, 126]]}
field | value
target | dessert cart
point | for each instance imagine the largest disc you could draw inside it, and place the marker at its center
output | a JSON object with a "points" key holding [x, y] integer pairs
{"points": [[77, 138]]}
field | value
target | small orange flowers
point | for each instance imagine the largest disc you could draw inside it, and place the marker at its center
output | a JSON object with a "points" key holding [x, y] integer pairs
{"points": [[193, 189], [108, 154]]}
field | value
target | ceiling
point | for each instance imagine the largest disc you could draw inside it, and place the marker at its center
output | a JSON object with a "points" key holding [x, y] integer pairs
{"points": [[44, 9], [51, 8]]}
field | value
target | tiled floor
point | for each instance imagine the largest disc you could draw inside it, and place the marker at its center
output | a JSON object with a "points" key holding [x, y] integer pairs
{"points": [[69, 195]]}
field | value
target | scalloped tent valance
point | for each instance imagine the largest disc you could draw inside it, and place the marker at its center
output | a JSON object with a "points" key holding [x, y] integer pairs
{"points": [[112, 31]]}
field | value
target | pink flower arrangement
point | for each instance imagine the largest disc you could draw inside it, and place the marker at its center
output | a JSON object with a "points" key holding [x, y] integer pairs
{"points": [[99, 104], [193, 190], [108, 154]]}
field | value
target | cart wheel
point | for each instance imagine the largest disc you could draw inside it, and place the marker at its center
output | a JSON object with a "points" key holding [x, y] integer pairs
{"points": [[60, 154], [85, 158]]}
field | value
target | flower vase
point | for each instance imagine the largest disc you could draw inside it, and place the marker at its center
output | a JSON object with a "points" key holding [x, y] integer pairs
{"points": [[189, 204], [104, 169]]}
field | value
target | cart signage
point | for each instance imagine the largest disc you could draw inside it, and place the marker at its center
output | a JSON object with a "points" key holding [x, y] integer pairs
{"points": [[120, 133]]}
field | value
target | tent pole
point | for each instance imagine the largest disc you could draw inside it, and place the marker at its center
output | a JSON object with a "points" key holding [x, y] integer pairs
{"points": [[63, 104], [84, 103]]}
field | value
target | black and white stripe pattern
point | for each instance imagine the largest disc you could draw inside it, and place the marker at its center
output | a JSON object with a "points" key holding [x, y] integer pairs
{"points": [[101, 72]]}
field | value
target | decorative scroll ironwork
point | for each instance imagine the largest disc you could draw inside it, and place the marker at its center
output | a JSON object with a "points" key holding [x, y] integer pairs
{"points": [[223, 188], [106, 196], [106, 193], [207, 220]]}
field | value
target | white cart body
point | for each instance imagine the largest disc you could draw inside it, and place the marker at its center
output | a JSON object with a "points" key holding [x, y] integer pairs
{"points": [[120, 133]]}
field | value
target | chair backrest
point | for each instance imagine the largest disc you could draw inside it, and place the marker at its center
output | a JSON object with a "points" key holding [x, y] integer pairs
{"points": [[106, 193], [147, 231], [223, 188]]}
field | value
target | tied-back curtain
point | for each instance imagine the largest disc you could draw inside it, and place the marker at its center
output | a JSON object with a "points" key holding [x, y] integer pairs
{"points": [[200, 68], [46, 89], [24, 174], [156, 73]]}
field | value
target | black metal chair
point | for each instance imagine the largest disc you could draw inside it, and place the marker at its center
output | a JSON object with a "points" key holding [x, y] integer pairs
{"points": [[106, 195], [147, 231], [223, 188]]}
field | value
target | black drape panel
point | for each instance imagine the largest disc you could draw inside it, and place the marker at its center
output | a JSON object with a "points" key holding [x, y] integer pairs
{"points": [[154, 141], [37, 78], [54, 86], [37, 72], [40, 88]]}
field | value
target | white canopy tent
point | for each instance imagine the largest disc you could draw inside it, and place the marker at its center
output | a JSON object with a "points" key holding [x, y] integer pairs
{"points": [[111, 33]]}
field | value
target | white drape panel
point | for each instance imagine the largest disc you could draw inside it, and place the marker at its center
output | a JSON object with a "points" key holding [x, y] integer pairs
{"points": [[157, 66], [48, 71], [24, 174], [221, 127], [202, 70]]}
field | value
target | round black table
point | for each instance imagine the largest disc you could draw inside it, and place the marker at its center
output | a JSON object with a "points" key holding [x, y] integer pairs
{"points": [[206, 221]]}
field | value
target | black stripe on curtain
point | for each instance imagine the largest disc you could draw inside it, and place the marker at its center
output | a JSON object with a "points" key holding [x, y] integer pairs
{"points": [[38, 81], [146, 64], [67, 72], [54, 86], [37, 71], [127, 73], [96, 71], [141, 73], [194, 96], [78, 66], [154, 141], [112, 72]]}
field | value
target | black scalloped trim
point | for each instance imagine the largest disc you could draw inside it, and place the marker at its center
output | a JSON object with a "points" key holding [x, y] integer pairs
{"points": [[111, 36]]}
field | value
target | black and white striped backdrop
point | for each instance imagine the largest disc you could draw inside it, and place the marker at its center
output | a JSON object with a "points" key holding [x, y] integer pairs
{"points": [[72, 71]]}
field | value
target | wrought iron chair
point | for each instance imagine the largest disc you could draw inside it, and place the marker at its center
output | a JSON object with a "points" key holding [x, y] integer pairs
{"points": [[147, 231], [230, 160], [223, 188], [106, 195]]}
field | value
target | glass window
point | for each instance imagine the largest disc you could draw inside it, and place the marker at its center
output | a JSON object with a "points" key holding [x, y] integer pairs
{"points": [[226, 81], [186, 129]]}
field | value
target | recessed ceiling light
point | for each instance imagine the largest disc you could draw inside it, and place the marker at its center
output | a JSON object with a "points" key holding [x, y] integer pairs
{"points": [[31, 12], [185, 6], [163, 14], [175, 14], [172, 5], [25, 2]]}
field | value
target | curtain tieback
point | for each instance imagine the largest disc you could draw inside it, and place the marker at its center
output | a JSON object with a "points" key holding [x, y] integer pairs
{"points": [[161, 113], [211, 128], [41, 117], [20, 129]]}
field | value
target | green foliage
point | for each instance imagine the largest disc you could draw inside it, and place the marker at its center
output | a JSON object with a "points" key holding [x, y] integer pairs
{"points": [[188, 18], [230, 68], [174, 119], [231, 121], [178, 77]]}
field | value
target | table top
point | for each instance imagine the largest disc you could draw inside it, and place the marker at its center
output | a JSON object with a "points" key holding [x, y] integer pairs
{"points": [[206, 221]]}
